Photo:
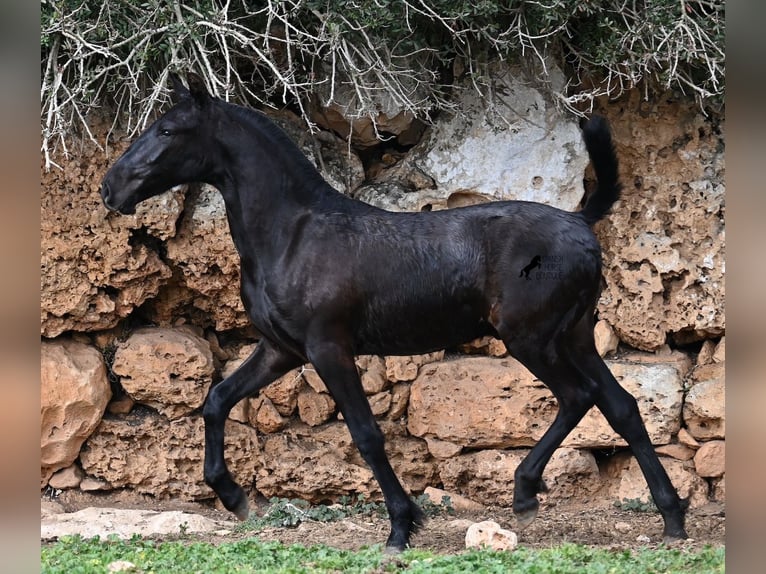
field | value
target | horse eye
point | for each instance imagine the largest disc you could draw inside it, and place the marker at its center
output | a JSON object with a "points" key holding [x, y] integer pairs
{"points": [[165, 132]]}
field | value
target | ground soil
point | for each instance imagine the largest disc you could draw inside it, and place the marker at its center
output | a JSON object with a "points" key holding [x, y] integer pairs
{"points": [[605, 526]]}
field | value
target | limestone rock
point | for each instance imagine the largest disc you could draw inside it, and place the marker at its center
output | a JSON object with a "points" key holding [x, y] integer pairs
{"points": [[406, 368], [686, 439], [123, 523], [148, 453], [664, 242], [491, 152], [705, 410], [459, 503], [480, 402], [380, 403], [487, 476], [631, 484], [74, 392], [267, 417], [485, 346], [705, 356], [311, 467], [411, 461], [283, 393], [373, 374], [400, 398], [69, 477], [678, 451], [572, 474], [208, 264], [315, 408], [710, 459], [93, 271], [719, 355], [606, 340], [441, 448], [167, 369], [719, 488], [313, 379], [488, 534]]}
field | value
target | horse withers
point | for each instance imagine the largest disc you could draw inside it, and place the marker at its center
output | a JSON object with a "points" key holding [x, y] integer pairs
{"points": [[325, 277]]}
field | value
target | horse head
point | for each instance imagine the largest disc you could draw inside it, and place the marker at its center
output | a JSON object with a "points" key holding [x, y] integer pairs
{"points": [[175, 149]]}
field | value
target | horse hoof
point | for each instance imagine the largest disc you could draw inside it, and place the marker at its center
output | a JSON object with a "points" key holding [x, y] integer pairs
{"points": [[526, 517], [674, 538], [392, 550], [242, 510]]}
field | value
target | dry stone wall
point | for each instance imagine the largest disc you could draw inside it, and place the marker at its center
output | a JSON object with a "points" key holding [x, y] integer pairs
{"points": [[141, 314]]}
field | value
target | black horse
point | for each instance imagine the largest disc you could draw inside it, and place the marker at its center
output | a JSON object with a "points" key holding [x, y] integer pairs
{"points": [[326, 277]]}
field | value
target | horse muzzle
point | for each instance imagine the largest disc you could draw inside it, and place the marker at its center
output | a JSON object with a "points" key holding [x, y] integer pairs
{"points": [[107, 196]]}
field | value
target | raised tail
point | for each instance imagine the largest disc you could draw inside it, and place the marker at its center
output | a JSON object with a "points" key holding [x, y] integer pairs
{"points": [[598, 142]]}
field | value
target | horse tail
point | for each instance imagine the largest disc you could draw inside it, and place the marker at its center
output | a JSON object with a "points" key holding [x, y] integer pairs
{"points": [[598, 142]]}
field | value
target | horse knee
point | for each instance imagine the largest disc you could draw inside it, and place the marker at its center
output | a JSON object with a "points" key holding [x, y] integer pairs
{"points": [[370, 441], [623, 414]]}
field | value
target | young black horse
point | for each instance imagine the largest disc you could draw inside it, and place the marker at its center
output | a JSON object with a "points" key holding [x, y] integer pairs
{"points": [[326, 277]]}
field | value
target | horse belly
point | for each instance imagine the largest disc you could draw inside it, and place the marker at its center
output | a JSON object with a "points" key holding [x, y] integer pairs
{"points": [[413, 331]]}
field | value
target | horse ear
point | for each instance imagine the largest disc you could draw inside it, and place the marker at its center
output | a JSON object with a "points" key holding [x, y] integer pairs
{"points": [[197, 88], [179, 91]]}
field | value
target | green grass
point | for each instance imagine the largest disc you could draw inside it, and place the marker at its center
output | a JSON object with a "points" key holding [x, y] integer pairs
{"points": [[73, 555]]}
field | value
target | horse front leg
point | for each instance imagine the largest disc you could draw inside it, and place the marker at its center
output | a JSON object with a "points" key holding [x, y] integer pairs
{"points": [[335, 365], [266, 364]]}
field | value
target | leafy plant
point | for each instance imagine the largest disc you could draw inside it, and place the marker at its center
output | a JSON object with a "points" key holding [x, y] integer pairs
{"points": [[636, 505], [287, 513], [73, 555]]}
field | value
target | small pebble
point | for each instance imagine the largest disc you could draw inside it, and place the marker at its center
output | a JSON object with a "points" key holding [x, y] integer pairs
{"points": [[622, 527]]}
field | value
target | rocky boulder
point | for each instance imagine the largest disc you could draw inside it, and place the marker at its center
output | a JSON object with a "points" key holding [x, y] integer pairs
{"points": [[705, 409], [483, 402], [92, 274], [664, 242], [148, 453], [518, 145], [169, 370], [74, 392], [487, 475]]}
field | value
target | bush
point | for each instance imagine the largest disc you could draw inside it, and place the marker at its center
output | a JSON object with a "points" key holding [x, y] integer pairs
{"points": [[118, 54]]}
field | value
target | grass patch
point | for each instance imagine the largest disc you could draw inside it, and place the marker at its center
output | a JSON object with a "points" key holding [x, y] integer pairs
{"points": [[73, 555]]}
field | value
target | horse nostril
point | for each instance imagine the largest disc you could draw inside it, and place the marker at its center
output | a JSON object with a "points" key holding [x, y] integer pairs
{"points": [[106, 196]]}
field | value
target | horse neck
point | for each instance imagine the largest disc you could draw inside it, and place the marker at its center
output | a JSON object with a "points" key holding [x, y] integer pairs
{"points": [[267, 185]]}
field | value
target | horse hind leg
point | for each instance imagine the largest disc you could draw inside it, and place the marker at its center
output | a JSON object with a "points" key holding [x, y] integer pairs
{"points": [[621, 411], [574, 397], [263, 366]]}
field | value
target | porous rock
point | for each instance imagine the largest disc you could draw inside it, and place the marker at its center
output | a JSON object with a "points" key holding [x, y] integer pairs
{"points": [[148, 453], [167, 369], [482, 402], [74, 392], [489, 534]]}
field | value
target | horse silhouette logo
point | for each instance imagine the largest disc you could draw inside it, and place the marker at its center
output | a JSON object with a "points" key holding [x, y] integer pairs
{"points": [[536, 262]]}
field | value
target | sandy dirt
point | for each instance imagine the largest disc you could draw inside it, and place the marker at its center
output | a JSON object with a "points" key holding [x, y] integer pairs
{"points": [[605, 527]]}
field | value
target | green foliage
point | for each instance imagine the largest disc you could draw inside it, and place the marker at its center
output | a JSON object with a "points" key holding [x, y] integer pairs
{"points": [[288, 513], [117, 54], [75, 555], [636, 505]]}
